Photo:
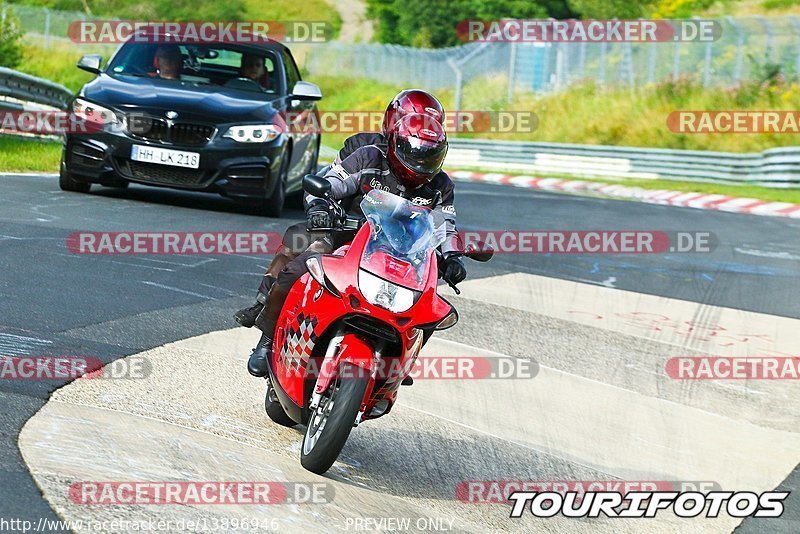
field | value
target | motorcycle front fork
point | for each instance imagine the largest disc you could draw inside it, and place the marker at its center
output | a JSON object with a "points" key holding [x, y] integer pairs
{"points": [[330, 354], [333, 347]]}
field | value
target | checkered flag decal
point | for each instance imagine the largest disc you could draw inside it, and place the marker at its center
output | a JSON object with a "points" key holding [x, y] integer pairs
{"points": [[300, 341]]}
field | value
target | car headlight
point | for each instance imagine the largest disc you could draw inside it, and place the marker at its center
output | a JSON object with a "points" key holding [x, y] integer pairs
{"points": [[94, 113], [253, 133], [385, 294]]}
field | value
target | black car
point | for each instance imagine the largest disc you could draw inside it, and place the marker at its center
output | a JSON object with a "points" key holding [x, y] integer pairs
{"points": [[201, 117]]}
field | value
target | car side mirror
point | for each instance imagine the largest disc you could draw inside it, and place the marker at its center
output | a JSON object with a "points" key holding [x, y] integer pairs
{"points": [[316, 185], [91, 63], [306, 91]]}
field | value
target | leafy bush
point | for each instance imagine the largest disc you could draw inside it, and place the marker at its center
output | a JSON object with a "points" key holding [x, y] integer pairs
{"points": [[432, 23], [10, 34], [149, 9]]}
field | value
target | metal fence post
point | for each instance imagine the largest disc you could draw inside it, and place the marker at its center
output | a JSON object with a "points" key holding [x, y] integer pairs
{"points": [[796, 24], [457, 96], [651, 63], [601, 75], [768, 29], [629, 63], [512, 69], [737, 66], [707, 65], [676, 61], [46, 28]]}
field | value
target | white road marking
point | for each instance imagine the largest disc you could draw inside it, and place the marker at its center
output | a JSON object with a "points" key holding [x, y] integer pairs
{"points": [[176, 289], [692, 326], [573, 416], [768, 254], [181, 264], [14, 345]]}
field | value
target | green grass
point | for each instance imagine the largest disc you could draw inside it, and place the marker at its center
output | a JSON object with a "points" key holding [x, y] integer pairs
{"points": [[56, 64], [591, 115], [733, 190], [29, 155], [287, 10], [747, 191], [347, 94]]}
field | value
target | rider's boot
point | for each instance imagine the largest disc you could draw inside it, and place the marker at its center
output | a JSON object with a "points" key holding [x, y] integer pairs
{"points": [[247, 316], [258, 364]]}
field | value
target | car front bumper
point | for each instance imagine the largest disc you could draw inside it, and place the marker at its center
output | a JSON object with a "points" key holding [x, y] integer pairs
{"points": [[236, 170]]}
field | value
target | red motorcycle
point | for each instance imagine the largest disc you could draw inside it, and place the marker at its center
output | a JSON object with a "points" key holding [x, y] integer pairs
{"points": [[351, 328]]}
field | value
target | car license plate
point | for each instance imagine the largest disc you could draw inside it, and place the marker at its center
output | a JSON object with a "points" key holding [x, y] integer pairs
{"points": [[164, 156]]}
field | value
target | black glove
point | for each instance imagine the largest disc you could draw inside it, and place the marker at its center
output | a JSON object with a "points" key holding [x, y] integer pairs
{"points": [[318, 215], [454, 271]]}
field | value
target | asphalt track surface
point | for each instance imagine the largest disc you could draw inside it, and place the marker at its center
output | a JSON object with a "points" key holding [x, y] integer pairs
{"points": [[59, 303]]}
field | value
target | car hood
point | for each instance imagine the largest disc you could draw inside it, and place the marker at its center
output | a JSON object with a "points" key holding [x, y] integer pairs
{"points": [[190, 101]]}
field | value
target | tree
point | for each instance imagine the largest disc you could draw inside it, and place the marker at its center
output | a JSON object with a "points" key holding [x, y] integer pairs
{"points": [[10, 34], [432, 23], [612, 9]]}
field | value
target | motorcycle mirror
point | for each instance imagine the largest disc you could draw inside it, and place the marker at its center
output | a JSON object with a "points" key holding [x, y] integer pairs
{"points": [[316, 185], [479, 251]]}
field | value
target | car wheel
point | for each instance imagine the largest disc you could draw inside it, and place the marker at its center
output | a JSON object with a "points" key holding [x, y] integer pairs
{"points": [[273, 206], [68, 183]]}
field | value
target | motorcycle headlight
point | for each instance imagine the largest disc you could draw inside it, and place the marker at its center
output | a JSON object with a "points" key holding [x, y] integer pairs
{"points": [[95, 113], [253, 133], [385, 294]]}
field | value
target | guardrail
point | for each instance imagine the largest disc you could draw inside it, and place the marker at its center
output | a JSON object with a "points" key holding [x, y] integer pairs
{"points": [[24, 88], [775, 167]]}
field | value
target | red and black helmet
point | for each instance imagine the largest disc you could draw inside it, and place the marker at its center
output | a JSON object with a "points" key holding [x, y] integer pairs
{"points": [[408, 102], [417, 147]]}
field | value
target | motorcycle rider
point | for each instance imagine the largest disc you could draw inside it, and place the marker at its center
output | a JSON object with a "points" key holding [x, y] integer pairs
{"points": [[409, 165], [406, 102]]}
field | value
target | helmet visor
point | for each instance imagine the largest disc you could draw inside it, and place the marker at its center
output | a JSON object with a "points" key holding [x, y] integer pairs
{"points": [[420, 155]]}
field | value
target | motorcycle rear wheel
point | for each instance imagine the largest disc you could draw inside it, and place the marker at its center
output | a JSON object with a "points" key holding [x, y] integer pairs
{"points": [[275, 410], [330, 425]]}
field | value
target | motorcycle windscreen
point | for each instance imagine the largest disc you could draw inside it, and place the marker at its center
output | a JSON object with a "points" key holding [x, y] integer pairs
{"points": [[402, 235]]}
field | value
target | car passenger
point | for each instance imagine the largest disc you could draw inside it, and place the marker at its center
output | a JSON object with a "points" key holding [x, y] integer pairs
{"points": [[168, 62], [252, 66]]}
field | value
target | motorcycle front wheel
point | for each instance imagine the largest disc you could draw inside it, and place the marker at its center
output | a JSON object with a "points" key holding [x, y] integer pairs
{"points": [[330, 424]]}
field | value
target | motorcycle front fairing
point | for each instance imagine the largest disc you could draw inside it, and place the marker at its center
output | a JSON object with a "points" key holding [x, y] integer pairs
{"points": [[317, 314]]}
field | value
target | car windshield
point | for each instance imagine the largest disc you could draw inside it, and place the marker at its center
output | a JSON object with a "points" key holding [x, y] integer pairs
{"points": [[402, 235], [225, 65]]}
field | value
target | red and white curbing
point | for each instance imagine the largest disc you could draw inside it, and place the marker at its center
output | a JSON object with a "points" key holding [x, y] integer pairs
{"points": [[704, 201]]}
